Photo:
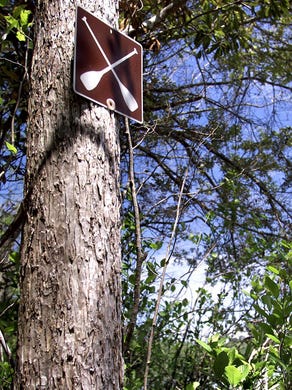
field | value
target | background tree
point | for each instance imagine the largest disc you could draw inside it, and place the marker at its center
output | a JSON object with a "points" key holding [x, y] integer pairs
{"points": [[215, 109]]}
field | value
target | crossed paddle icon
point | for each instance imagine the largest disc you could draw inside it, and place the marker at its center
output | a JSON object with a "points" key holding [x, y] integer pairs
{"points": [[91, 79]]}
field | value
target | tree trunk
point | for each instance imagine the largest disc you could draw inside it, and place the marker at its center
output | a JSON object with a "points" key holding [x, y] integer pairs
{"points": [[69, 319]]}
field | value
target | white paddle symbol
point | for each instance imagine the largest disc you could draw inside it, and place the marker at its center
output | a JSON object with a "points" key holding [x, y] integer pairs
{"points": [[91, 79]]}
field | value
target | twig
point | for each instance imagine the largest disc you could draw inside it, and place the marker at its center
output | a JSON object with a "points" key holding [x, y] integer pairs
{"points": [[7, 308], [159, 296], [13, 230], [140, 254], [19, 94], [5, 346]]}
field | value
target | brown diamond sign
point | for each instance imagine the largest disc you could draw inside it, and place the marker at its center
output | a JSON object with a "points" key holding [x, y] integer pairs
{"points": [[108, 66]]}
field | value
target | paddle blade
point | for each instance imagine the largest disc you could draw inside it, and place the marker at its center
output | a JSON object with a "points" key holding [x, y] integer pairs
{"points": [[128, 98], [90, 79]]}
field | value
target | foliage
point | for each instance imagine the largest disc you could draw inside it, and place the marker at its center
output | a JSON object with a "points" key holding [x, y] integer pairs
{"points": [[209, 114], [15, 27], [262, 359], [6, 375], [258, 355]]}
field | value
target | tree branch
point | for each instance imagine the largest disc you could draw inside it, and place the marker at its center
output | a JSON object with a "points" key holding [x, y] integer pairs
{"points": [[140, 254], [13, 230], [159, 296]]}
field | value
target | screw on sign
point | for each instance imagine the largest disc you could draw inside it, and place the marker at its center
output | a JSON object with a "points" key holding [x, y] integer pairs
{"points": [[108, 66]]}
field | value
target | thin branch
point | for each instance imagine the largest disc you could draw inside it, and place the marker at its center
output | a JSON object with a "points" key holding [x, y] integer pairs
{"points": [[151, 22], [12, 231], [159, 296], [6, 348], [7, 308], [19, 94], [272, 200], [140, 254]]}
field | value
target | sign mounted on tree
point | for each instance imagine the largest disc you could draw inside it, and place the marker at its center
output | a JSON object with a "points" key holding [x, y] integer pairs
{"points": [[108, 66]]}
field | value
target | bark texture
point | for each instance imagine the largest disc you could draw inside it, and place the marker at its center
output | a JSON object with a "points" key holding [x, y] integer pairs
{"points": [[69, 318]]}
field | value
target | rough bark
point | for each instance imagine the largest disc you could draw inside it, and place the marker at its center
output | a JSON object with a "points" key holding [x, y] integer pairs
{"points": [[69, 318]]}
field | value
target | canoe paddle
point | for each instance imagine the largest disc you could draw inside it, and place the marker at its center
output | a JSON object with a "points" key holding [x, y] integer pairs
{"points": [[92, 78]]}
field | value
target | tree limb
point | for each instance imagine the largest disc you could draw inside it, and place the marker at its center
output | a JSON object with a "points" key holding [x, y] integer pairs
{"points": [[12, 231], [140, 254], [160, 291]]}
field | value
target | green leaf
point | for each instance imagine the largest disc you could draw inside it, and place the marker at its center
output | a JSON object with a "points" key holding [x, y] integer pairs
{"points": [[20, 36], [14, 257], [233, 375], [12, 22], [11, 147], [150, 279], [24, 15], [204, 345], [245, 370], [274, 338], [192, 386], [273, 269], [132, 279], [271, 286], [265, 327], [151, 268], [274, 319], [221, 361], [260, 310], [219, 34], [274, 352], [184, 283], [156, 245], [266, 299], [236, 374], [215, 339]]}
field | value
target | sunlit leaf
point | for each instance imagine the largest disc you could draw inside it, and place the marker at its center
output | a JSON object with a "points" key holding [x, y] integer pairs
{"points": [[271, 286], [235, 375], [273, 269], [20, 36], [204, 345], [24, 17], [192, 386], [11, 147], [274, 338]]}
